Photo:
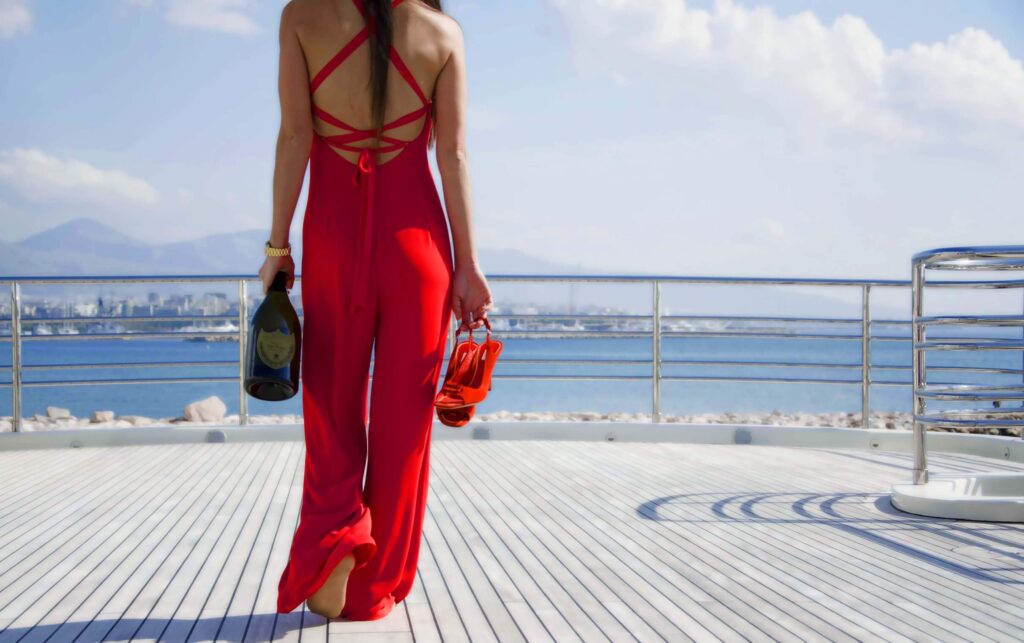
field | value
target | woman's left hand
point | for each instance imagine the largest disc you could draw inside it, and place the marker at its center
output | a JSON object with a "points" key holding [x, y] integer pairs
{"points": [[471, 297]]}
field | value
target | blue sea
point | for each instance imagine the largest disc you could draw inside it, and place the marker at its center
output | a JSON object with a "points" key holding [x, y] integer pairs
{"points": [[512, 391]]}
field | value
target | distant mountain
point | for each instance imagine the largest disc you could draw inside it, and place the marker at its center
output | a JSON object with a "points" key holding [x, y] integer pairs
{"points": [[83, 232], [85, 246], [501, 261]]}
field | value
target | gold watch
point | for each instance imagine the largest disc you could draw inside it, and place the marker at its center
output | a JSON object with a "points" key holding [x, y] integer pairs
{"points": [[271, 251]]}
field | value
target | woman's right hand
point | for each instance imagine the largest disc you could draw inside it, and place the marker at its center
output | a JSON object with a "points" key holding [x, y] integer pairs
{"points": [[471, 297], [270, 268]]}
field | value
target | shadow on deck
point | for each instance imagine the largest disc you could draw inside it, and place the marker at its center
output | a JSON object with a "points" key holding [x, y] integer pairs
{"points": [[524, 540]]}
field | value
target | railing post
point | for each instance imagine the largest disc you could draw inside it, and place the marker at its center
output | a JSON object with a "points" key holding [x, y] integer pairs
{"points": [[656, 352], [865, 357], [920, 473], [15, 357], [243, 322]]}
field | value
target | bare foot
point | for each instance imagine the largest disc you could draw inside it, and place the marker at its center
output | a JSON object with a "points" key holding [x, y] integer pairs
{"points": [[329, 600]]}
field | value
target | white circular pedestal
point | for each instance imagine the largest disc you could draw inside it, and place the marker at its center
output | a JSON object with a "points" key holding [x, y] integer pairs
{"points": [[995, 497]]}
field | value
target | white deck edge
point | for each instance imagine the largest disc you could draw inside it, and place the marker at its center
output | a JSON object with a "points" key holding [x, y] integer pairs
{"points": [[991, 446]]}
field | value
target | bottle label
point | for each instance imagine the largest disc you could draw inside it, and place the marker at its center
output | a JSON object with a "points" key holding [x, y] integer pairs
{"points": [[275, 348]]}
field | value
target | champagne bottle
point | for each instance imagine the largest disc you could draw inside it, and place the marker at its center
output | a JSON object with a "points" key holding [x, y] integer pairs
{"points": [[274, 346]]}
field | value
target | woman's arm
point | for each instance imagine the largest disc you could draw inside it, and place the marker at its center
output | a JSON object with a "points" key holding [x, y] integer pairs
{"points": [[294, 140], [471, 296]]}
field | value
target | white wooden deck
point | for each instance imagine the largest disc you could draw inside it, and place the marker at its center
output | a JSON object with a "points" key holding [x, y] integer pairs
{"points": [[524, 541]]}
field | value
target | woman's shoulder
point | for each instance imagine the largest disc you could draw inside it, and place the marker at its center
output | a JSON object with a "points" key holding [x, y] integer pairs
{"points": [[439, 19], [306, 13], [429, 34], [440, 26]]}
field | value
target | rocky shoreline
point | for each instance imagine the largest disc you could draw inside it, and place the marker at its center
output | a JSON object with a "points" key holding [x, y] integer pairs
{"points": [[211, 412]]}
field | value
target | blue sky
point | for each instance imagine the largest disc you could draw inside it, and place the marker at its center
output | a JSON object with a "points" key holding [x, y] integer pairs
{"points": [[788, 138]]}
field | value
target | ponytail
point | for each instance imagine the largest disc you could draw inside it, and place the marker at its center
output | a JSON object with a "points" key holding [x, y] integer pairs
{"points": [[380, 25]]}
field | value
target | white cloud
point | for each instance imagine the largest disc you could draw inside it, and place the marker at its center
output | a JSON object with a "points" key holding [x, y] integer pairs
{"points": [[15, 17], [840, 73], [43, 178], [971, 73], [229, 16]]}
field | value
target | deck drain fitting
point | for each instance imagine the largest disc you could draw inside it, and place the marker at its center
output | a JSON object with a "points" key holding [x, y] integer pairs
{"points": [[742, 436], [481, 433], [217, 436]]}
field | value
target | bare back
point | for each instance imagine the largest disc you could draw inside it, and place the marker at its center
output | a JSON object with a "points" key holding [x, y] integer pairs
{"points": [[324, 27]]}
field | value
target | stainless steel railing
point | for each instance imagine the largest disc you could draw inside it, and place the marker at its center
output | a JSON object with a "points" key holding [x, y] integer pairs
{"points": [[977, 258], [656, 320]]}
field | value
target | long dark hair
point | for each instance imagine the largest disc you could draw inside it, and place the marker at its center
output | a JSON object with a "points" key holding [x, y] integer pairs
{"points": [[378, 13]]}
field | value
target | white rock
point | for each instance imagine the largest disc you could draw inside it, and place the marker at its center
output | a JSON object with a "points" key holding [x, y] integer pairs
{"points": [[102, 416], [136, 420], [211, 409], [56, 412]]}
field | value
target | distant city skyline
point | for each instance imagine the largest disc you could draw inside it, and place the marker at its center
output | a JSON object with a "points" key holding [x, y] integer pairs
{"points": [[780, 138]]}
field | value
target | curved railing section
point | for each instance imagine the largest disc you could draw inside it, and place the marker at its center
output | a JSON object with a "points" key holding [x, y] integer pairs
{"points": [[972, 259]]}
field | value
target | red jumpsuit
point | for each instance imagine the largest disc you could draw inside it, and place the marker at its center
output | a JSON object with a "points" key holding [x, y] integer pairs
{"points": [[376, 271]]}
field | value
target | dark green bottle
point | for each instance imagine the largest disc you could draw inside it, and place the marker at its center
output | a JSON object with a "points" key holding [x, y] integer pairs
{"points": [[274, 346]]}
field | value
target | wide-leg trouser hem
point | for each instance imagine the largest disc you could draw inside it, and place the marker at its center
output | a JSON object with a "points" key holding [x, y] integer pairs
{"points": [[379, 610], [303, 576]]}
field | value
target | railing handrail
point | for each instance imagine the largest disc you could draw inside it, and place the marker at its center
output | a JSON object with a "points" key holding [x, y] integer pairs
{"points": [[657, 319], [185, 278]]}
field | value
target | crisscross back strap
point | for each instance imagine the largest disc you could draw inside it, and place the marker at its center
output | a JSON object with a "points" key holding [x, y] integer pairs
{"points": [[339, 58], [395, 58], [347, 50], [407, 75]]}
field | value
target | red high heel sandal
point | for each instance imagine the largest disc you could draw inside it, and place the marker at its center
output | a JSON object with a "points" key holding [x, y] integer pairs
{"points": [[468, 379]]}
